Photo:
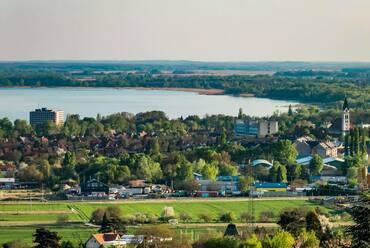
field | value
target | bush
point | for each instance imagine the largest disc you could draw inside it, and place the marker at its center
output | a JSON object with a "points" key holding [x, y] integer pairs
{"points": [[205, 217], [112, 212], [266, 216], [97, 216], [167, 214], [246, 217], [62, 219], [185, 217], [228, 242], [16, 244], [227, 217], [281, 239], [162, 231]]}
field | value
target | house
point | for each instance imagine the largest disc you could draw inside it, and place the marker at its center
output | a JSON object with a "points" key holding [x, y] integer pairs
{"points": [[274, 187], [94, 187], [105, 240], [7, 183], [304, 145], [223, 185], [329, 179], [325, 149], [133, 239], [138, 187]]}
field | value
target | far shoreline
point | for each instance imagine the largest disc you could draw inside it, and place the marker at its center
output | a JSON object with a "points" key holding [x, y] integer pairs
{"points": [[200, 91]]}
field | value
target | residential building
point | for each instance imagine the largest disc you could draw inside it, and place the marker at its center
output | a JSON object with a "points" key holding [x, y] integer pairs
{"points": [[94, 188], [268, 127], [7, 183], [223, 184], [325, 149], [260, 128], [304, 145], [105, 240], [43, 115]]}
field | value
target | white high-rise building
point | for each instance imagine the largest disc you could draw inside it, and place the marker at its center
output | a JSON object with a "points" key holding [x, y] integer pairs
{"points": [[40, 116]]}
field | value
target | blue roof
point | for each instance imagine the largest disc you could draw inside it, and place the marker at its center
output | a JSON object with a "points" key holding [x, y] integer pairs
{"points": [[270, 185], [228, 178]]}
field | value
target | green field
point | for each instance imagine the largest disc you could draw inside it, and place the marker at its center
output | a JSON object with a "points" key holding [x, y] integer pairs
{"points": [[81, 211], [195, 208], [73, 233], [19, 220]]}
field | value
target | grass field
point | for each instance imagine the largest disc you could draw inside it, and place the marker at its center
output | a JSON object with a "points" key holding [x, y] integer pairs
{"points": [[19, 220], [81, 211], [195, 208], [73, 233]]}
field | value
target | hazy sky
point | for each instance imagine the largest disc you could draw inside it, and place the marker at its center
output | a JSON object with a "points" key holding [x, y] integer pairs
{"points": [[223, 30]]}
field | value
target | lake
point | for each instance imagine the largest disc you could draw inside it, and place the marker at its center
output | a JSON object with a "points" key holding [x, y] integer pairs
{"points": [[16, 103]]}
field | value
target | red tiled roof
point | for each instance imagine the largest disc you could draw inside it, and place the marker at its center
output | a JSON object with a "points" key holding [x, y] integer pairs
{"points": [[101, 238]]}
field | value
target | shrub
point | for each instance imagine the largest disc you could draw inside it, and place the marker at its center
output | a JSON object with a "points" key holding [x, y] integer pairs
{"points": [[185, 217], [114, 212], [167, 214], [205, 217], [16, 244], [227, 217], [97, 216], [266, 216], [246, 217], [62, 218], [281, 239]]}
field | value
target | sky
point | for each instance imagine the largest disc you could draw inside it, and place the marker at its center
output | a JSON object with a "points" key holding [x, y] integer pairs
{"points": [[202, 30]]}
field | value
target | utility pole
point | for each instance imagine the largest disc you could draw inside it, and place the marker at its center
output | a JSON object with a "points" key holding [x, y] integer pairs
{"points": [[251, 194]]}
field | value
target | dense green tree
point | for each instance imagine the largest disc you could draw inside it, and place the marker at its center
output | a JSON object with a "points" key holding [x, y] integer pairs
{"points": [[313, 223], [46, 239], [68, 165], [227, 217], [293, 220], [210, 172], [281, 239], [360, 213], [284, 152], [244, 183], [307, 240], [316, 165], [148, 169], [281, 174]]}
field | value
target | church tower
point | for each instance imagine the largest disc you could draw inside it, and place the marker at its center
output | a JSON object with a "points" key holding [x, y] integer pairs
{"points": [[346, 122]]}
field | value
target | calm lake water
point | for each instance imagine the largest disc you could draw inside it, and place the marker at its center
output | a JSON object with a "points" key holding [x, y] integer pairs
{"points": [[16, 103]]}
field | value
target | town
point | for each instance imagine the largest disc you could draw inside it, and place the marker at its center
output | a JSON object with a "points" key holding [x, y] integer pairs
{"points": [[126, 157], [184, 124]]}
